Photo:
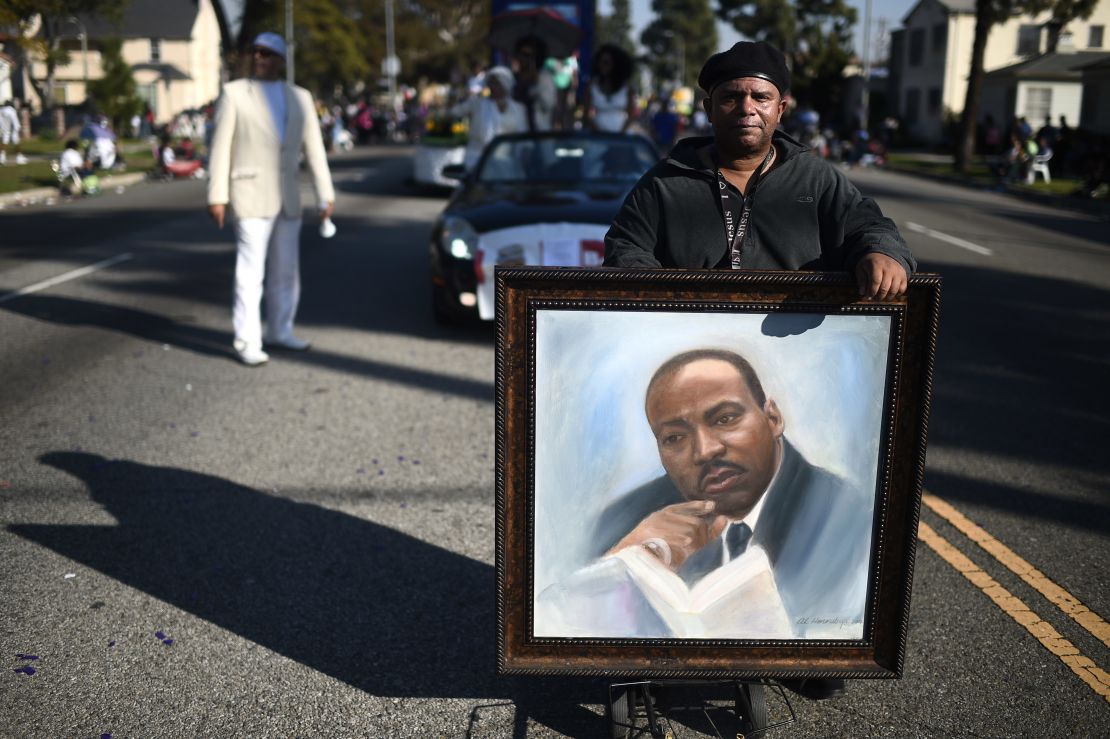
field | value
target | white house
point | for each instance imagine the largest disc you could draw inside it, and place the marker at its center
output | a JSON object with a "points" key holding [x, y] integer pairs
{"points": [[931, 57], [1094, 114], [172, 46], [1045, 86]]}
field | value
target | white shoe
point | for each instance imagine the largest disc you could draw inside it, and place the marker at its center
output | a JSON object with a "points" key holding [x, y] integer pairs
{"points": [[20, 159], [252, 356], [289, 342]]}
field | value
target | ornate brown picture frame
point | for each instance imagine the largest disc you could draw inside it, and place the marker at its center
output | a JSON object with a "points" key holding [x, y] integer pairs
{"points": [[646, 417]]}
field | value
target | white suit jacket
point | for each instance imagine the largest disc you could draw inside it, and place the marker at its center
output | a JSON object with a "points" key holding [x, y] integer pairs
{"points": [[247, 165]]}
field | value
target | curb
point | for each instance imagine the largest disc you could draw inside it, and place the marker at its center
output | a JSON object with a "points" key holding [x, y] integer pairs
{"points": [[38, 194]]}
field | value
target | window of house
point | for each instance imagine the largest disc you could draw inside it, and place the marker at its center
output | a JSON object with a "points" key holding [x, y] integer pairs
{"points": [[913, 105], [1038, 103], [934, 101], [917, 47], [940, 37], [1028, 40], [1094, 37], [155, 50]]}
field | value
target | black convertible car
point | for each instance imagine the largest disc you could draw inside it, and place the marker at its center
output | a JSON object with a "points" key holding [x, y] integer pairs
{"points": [[533, 199]]}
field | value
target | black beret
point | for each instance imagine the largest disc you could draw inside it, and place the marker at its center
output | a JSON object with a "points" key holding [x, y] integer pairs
{"points": [[746, 59]]}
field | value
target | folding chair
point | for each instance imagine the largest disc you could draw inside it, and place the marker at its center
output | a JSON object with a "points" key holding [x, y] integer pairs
{"points": [[1039, 164]]}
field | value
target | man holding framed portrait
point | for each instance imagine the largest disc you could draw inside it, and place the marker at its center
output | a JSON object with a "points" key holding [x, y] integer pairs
{"points": [[748, 197]]}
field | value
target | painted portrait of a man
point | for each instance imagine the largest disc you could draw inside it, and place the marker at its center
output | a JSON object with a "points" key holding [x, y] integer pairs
{"points": [[756, 522]]}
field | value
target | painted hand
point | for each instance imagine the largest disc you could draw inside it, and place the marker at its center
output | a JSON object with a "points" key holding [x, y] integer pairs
{"points": [[674, 533]]}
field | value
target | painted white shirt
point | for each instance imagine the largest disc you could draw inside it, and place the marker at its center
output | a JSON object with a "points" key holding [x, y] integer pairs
{"points": [[752, 519]]}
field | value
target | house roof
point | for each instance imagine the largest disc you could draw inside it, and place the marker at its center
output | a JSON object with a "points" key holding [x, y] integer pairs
{"points": [[953, 6], [1100, 64], [167, 72], [1055, 66], [167, 19]]}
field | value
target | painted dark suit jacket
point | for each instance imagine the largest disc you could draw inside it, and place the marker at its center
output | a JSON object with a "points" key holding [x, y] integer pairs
{"points": [[815, 528]]}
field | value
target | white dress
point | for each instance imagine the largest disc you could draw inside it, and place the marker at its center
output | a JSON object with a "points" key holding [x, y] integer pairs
{"points": [[610, 111]]}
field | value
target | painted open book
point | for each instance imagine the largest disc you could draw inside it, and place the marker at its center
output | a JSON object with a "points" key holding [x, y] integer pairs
{"points": [[633, 594], [736, 600]]}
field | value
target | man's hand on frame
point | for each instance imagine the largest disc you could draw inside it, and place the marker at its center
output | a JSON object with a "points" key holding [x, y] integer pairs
{"points": [[674, 533], [880, 277]]}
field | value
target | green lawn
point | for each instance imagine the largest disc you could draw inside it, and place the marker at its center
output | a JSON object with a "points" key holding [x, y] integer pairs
{"points": [[14, 178], [54, 147], [37, 172], [978, 174]]}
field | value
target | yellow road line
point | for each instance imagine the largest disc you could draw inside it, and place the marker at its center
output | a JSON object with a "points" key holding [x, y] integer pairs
{"points": [[1095, 677], [1055, 594]]}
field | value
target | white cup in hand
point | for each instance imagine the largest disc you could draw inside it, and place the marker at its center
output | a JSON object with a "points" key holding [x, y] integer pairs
{"points": [[327, 228]]}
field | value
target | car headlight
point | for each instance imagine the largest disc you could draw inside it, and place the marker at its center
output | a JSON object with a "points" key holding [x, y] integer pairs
{"points": [[460, 240]]}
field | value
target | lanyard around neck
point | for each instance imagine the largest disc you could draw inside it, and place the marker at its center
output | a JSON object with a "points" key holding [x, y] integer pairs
{"points": [[736, 223]]}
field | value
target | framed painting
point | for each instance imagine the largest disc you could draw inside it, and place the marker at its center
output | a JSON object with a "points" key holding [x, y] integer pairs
{"points": [[708, 473]]}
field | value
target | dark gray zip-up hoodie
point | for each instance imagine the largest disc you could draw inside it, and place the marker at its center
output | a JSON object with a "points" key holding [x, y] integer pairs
{"points": [[805, 215]]}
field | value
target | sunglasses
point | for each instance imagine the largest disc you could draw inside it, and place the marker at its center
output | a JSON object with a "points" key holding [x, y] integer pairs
{"points": [[264, 53]]}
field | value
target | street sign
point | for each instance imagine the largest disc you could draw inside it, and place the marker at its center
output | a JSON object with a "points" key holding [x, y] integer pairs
{"points": [[391, 66]]}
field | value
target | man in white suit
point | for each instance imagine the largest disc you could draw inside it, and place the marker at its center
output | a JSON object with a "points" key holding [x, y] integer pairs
{"points": [[261, 125]]}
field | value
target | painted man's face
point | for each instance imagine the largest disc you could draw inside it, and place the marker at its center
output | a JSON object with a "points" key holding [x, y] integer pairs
{"points": [[715, 441]]}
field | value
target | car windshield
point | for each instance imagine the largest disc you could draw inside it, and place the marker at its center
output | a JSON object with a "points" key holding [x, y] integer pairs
{"points": [[566, 160]]}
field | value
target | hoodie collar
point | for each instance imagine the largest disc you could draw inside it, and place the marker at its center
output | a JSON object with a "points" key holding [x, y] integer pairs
{"points": [[686, 154]]}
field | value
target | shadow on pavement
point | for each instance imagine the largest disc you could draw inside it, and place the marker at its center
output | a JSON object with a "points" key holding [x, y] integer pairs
{"points": [[380, 610], [1022, 367], [159, 329]]}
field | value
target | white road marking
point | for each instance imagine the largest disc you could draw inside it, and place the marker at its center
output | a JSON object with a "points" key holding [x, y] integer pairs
{"points": [[954, 240], [72, 275]]}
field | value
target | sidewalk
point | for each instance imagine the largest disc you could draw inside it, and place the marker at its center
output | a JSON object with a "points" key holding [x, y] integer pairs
{"points": [[50, 195]]}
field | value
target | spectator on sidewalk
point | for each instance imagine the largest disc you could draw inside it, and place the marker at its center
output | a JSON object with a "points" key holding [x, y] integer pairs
{"points": [[262, 125], [10, 128], [73, 168], [171, 165]]}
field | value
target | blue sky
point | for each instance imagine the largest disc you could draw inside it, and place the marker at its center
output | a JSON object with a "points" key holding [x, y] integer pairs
{"points": [[893, 11]]}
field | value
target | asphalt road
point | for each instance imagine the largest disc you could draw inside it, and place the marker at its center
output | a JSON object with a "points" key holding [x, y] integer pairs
{"points": [[313, 540]]}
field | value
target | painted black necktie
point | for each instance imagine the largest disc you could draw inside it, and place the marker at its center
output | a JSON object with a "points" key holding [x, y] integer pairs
{"points": [[736, 539]]}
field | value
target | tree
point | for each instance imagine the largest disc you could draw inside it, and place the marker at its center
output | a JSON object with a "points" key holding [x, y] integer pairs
{"points": [[682, 36], [115, 93], [329, 45], [616, 28], [815, 36], [989, 13], [329, 51], [44, 24]]}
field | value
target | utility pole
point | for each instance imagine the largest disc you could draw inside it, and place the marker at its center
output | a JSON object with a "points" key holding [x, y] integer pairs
{"points": [[84, 36], [392, 63], [866, 65], [290, 44]]}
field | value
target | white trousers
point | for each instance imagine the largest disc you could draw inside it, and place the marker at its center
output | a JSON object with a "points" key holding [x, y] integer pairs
{"points": [[268, 248]]}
